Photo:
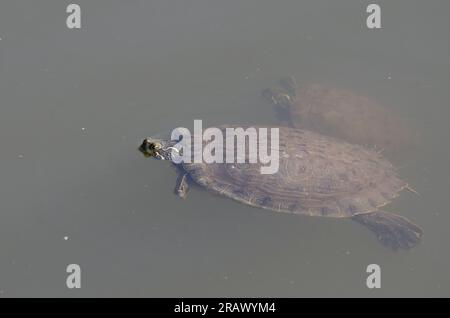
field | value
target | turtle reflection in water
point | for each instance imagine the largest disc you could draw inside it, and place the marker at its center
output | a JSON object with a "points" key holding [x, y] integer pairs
{"points": [[340, 113], [318, 176]]}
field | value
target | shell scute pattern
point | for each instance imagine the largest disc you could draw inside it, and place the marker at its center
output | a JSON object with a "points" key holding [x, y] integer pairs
{"points": [[319, 176]]}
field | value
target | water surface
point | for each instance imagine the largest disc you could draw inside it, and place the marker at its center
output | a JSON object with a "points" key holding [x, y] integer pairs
{"points": [[76, 103]]}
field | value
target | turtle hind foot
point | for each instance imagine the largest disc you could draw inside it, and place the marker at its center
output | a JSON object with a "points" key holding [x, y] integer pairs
{"points": [[392, 230]]}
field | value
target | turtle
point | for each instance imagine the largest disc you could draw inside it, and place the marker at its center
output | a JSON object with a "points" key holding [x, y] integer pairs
{"points": [[340, 113], [318, 175]]}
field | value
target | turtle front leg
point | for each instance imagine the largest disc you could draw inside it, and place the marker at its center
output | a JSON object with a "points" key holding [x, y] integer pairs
{"points": [[182, 185]]}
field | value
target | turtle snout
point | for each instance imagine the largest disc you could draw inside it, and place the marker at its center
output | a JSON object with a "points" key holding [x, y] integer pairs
{"points": [[144, 148], [150, 148]]}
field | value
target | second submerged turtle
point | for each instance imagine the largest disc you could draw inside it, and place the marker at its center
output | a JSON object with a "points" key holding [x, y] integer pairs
{"points": [[339, 113]]}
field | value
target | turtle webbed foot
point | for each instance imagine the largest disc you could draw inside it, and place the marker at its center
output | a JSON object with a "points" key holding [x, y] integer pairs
{"points": [[392, 230]]}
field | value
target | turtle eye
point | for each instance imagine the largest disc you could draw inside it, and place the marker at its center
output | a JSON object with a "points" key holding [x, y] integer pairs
{"points": [[155, 146]]}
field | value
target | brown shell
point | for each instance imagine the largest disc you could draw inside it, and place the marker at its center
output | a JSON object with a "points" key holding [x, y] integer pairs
{"points": [[352, 117], [318, 175]]}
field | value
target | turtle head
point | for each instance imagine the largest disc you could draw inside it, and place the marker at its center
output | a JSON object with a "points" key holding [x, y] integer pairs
{"points": [[281, 100], [278, 97], [284, 95], [157, 148]]}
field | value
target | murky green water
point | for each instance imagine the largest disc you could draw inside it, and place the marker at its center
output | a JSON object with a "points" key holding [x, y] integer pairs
{"points": [[76, 103]]}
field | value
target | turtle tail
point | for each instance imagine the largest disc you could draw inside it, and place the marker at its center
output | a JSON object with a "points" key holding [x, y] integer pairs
{"points": [[392, 230]]}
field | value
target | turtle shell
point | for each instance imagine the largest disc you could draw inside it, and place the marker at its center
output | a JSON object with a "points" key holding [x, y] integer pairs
{"points": [[318, 175]]}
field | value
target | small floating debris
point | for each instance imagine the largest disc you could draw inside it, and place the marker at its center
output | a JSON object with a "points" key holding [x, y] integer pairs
{"points": [[20, 156], [66, 238]]}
